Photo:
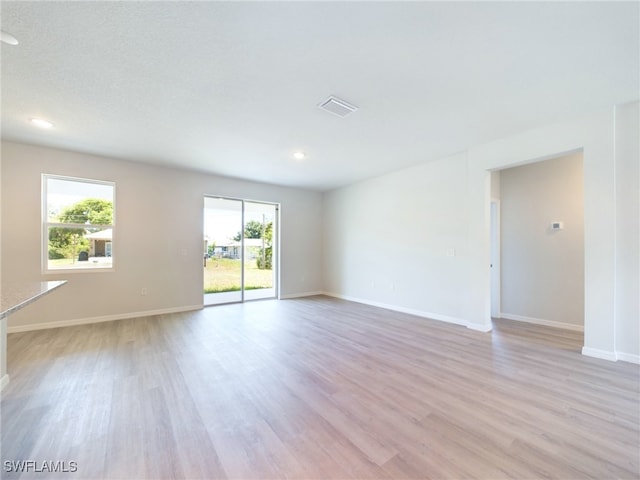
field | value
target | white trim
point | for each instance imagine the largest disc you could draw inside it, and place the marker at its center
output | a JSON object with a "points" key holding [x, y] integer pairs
{"points": [[485, 328], [615, 232], [541, 321], [410, 311], [628, 357], [4, 381], [301, 294], [495, 254], [105, 318], [602, 354], [222, 298]]}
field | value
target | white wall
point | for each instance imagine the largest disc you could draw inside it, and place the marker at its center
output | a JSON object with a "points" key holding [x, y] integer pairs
{"points": [[542, 270], [628, 231], [158, 243], [423, 211], [386, 240]]}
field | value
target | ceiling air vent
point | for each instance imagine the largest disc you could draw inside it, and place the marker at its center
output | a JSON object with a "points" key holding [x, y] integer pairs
{"points": [[337, 107]]}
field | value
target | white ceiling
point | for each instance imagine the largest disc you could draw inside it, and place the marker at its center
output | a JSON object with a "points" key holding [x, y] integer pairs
{"points": [[232, 87]]}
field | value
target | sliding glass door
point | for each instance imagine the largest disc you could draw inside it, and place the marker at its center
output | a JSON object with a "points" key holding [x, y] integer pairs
{"points": [[240, 254]]}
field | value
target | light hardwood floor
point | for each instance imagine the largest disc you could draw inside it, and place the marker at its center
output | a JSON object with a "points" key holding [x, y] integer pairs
{"points": [[316, 388]]}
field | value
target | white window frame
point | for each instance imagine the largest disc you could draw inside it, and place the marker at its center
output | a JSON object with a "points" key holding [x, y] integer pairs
{"points": [[46, 224]]}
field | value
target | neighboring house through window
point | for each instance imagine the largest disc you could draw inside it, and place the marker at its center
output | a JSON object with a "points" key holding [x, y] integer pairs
{"points": [[78, 225]]}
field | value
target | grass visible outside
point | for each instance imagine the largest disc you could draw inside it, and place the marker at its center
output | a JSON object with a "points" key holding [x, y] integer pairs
{"points": [[223, 275], [70, 263]]}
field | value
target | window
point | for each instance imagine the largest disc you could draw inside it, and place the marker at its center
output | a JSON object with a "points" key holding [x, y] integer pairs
{"points": [[78, 223]]}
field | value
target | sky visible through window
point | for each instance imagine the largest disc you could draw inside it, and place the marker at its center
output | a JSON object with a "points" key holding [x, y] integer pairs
{"points": [[222, 224], [64, 193]]}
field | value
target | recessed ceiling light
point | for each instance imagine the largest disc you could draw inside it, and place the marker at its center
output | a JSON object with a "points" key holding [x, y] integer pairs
{"points": [[299, 155], [41, 123], [8, 39]]}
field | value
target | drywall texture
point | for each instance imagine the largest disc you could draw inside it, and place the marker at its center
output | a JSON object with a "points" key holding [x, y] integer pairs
{"points": [[542, 270], [158, 242]]}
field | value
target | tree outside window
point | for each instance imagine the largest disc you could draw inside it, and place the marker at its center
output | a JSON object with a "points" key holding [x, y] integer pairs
{"points": [[79, 223]]}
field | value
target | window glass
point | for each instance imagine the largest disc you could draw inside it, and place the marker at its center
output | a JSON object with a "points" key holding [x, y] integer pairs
{"points": [[79, 223]]}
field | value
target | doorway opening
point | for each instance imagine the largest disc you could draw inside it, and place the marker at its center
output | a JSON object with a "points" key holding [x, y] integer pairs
{"points": [[240, 250], [537, 242]]}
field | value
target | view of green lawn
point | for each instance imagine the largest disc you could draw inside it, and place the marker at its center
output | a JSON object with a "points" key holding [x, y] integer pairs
{"points": [[223, 275], [68, 263], [63, 262]]}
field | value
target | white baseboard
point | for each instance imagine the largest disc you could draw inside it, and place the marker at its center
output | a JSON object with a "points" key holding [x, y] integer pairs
{"points": [[410, 311], [602, 354], [541, 321], [105, 318], [4, 381], [628, 357], [485, 328], [586, 351], [300, 295]]}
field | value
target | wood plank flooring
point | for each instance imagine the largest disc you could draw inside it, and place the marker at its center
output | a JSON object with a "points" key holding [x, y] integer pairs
{"points": [[315, 388]]}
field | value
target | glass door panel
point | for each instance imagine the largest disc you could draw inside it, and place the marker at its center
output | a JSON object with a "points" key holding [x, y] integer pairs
{"points": [[223, 250], [260, 231]]}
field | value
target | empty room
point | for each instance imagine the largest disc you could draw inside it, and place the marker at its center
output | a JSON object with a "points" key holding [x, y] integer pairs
{"points": [[320, 240]]}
